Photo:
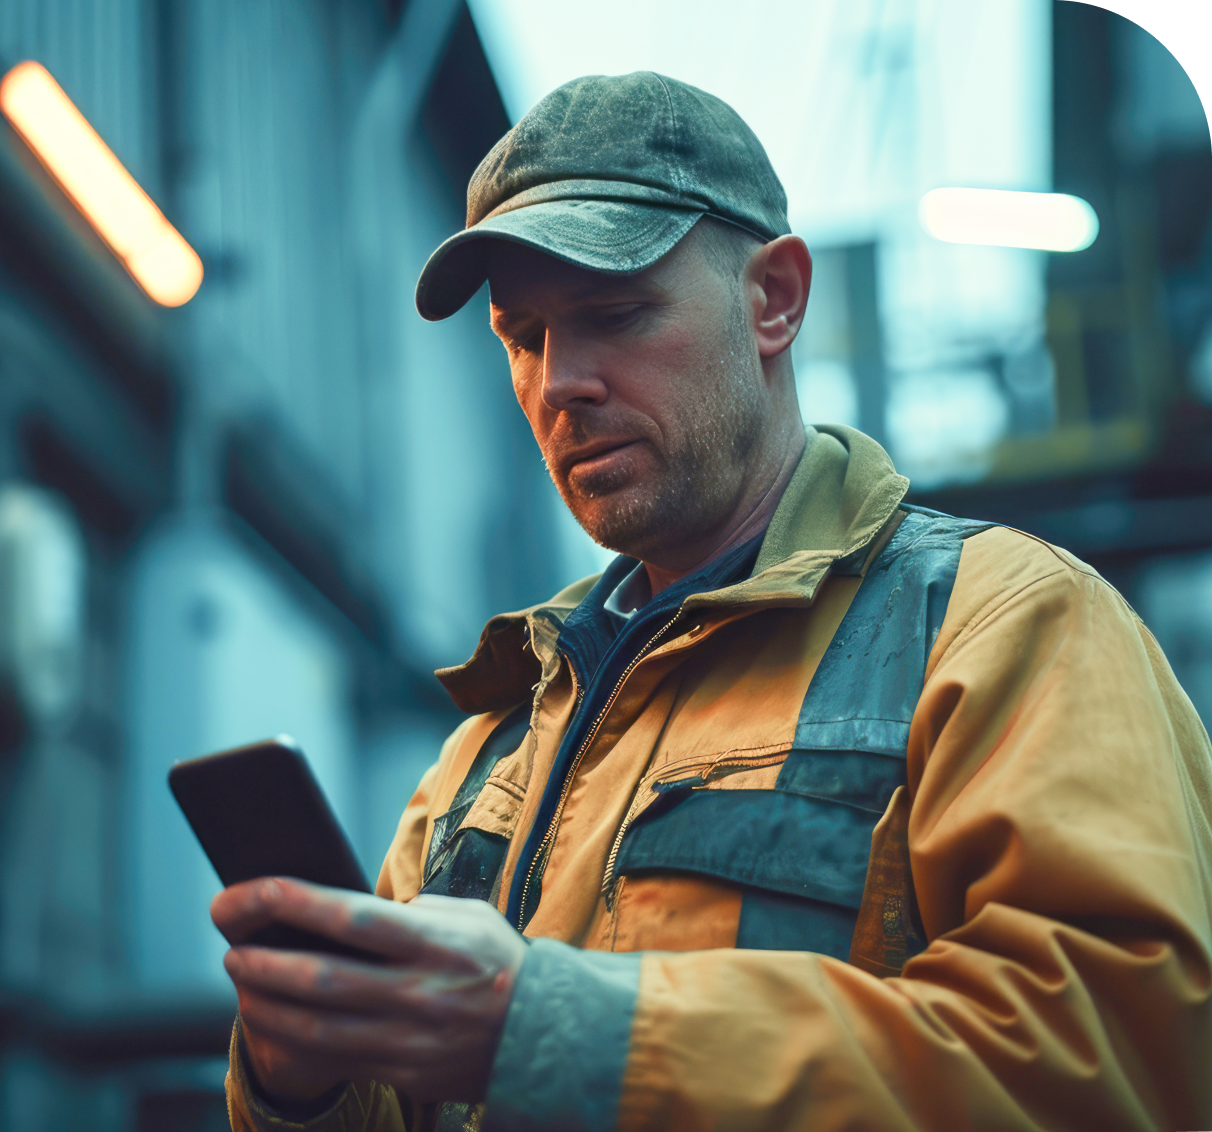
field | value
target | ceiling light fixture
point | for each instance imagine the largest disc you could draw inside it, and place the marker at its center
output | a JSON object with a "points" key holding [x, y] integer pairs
{"points": [[151, 249], [1052, 222]]}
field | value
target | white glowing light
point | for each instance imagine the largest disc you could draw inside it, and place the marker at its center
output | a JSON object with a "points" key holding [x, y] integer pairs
{"points": [[153, 251], [1051, 222]]}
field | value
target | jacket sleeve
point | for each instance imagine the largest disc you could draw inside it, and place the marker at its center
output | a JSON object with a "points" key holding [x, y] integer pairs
{"points": [[1060, 836], [362, 1107]]}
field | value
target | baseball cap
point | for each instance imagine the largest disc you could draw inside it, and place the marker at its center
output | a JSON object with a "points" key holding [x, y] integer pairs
{"points": [[608, 172]]}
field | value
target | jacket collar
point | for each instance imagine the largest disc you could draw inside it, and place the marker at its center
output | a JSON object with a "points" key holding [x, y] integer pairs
{"points": [[841, 497], [842, 493]]}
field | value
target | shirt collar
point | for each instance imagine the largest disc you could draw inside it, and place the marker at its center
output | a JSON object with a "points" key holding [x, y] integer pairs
{"points": [[631, 593]]}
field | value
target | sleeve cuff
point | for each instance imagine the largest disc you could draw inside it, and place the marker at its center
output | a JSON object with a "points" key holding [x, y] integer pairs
{"points": [[372, 1107], [564, 1048]]}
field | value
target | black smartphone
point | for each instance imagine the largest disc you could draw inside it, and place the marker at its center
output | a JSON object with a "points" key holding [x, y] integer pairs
{"points": [[259, 811]]}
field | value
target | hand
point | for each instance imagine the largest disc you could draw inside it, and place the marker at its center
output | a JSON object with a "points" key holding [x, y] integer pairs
{"points": [[427, 1020]]}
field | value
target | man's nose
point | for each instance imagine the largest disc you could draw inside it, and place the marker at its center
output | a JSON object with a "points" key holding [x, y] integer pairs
{"points": [[571, 376]]}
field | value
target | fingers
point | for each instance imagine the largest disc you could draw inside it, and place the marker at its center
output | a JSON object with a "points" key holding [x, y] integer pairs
{"points": [[333, 983], [345, 1043], [427, 1021], [241, 910], [459, 935], [293, 1047], [354, 918]]}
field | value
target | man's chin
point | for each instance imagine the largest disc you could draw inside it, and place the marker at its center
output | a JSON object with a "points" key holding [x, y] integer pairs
{"points": [[621, 522]]}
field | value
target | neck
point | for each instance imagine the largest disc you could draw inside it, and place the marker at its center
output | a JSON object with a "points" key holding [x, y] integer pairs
{"points": [[750, 519]]}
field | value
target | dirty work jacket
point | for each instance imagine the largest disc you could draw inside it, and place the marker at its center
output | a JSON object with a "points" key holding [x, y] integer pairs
{"points": [[911, 829]]}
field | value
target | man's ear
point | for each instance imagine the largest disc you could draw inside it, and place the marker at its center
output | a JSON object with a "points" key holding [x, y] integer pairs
{"points": [[780, 274]]}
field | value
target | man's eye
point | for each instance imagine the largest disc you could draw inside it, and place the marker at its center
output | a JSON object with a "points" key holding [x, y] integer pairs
{"points": [[531, 343], [618, 318]]}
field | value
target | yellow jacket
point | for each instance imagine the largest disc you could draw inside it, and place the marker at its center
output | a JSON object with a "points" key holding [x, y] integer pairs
{"points": [[1024, 940]]}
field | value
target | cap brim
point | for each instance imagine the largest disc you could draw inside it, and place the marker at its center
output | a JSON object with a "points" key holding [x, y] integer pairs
{"points": [[612, 236]]}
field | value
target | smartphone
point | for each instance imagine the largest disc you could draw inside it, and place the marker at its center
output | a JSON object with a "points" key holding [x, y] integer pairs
{"points": [[259, 811]]}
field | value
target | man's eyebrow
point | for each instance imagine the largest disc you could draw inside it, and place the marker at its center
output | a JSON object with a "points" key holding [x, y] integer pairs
{"points": [[610, 286], [622, 288]]}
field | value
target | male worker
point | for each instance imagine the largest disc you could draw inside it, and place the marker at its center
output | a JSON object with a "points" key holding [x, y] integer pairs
{"points": [[816, 810]]}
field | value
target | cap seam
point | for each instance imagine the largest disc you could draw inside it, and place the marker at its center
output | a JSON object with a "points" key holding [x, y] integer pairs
{"points": [[673, 123], [677, 198]]}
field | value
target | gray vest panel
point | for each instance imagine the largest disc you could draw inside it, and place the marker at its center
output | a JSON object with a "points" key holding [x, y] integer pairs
{"points": [[853, 730]]}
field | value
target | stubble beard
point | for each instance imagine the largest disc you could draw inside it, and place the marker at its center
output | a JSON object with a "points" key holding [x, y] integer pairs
{"points": [[694, 488]]}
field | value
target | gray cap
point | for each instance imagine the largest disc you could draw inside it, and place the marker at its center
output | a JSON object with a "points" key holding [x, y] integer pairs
{"points": [[608, 172]]}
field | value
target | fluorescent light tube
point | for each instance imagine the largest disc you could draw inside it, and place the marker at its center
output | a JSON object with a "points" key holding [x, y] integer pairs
{"points": [[152, 250], [1052, 222]]}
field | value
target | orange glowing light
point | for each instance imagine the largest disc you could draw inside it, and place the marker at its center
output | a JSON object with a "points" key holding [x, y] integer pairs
{"points": [[152, 250]]}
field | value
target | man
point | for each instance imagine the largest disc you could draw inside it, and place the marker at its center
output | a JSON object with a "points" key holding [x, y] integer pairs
{"points": [[816, 810]]}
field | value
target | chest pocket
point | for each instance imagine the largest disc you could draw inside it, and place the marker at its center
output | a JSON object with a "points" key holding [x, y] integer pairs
{"points": [[467, 861], [800, 851]]}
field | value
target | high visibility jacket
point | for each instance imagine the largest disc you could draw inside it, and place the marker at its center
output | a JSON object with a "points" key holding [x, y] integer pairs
{"points": [[910, 829]]}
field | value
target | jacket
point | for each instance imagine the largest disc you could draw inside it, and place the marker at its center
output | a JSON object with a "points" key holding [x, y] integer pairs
{"points": [[909, 829]]}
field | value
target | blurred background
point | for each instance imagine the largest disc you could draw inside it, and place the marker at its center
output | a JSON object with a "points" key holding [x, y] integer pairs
{"points": [[276, 504]]}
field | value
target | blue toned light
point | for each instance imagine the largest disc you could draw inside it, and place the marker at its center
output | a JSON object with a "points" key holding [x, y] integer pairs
{"points": [[1049, 222]]}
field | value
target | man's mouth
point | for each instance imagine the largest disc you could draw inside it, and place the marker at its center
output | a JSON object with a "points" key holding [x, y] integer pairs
{"points": [[599, 457]]}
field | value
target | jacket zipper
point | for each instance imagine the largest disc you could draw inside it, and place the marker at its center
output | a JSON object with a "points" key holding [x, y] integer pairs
{"points": [[608, 880], [549, 837]]}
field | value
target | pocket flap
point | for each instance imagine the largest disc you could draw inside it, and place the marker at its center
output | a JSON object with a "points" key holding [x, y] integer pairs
{"points": [[854, 778], [769, 839]]}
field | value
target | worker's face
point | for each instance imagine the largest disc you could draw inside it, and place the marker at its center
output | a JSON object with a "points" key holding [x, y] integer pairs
{"points": [[643, 391]]}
